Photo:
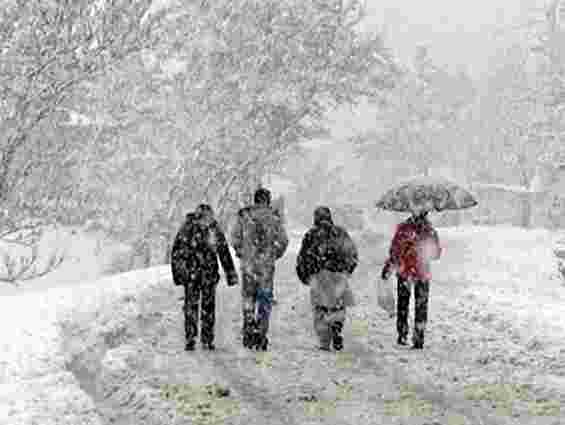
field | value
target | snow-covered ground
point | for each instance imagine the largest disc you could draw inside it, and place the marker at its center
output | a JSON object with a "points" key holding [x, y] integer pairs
{"points": [[88, 256], [513, 270], [102, 351]]}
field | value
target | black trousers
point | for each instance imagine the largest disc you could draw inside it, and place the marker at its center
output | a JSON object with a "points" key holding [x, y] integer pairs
{"points": [[421, 295], [200, 295]]}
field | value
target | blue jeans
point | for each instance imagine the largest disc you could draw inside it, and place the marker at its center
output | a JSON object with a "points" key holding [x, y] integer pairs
{"points": [[257, 294], [263, 302]]}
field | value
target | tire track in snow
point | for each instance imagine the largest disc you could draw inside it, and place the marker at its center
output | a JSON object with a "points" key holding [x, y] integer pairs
{"points": [[427, 384], [425, 387], [289, 329], [250, 386]]}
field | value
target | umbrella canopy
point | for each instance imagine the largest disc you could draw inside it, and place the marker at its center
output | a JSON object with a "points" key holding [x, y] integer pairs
{"points": [[426, 194]]}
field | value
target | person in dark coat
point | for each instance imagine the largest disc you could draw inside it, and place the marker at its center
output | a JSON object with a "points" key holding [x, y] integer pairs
{"points": [[415, 243], [194, 263], [259, 240], [327, 258]]}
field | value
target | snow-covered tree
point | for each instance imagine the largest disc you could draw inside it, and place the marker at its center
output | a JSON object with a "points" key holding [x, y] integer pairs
{"points": [[418, 124], [49, 50], [235, 86]]}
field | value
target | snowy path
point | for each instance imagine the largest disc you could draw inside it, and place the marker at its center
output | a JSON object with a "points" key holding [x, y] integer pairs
{"points": [[371, 370], [127, 350]]}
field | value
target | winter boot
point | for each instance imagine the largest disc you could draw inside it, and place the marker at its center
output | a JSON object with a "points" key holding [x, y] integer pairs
{"points": [[418, 345], [418, 341], [262, 343], [189, 345], [208, 346], [251, 335], [402, 340], [337, 338], [418, 337], [248, 339]]}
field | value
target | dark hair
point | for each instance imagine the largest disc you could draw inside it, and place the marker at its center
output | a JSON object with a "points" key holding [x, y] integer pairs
{"points": [[420, 218], [262, 196], [204, 209], [322, 214]]}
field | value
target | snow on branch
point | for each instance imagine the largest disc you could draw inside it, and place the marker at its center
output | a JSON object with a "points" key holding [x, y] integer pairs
{"points": [[504, 187], [20, 257]]}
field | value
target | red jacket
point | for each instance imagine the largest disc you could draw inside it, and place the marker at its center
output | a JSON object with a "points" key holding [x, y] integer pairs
{"points": [[413, 246]]}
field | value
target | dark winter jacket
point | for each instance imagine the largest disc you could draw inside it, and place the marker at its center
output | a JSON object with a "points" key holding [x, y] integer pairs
{"points": [[197, 246], [258, 235], [325, 247], [415, 243]]}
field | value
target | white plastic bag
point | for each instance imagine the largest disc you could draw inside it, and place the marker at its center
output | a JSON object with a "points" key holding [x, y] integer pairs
{"points": [[386, 297]]}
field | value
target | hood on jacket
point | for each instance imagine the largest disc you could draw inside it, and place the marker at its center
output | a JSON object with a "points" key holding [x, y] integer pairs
{"points": [[420, 219], [203, 213], [262, 197], [322, 215]]}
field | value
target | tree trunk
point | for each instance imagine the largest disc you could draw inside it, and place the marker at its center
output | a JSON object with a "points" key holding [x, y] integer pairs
{"points": [[456, 218], [526, 216], [526, 203], [145, 252], [168, 248], [279, 205]]}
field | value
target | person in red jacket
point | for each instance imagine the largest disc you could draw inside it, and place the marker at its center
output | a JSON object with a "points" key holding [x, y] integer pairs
{"points": [[415, 243]]}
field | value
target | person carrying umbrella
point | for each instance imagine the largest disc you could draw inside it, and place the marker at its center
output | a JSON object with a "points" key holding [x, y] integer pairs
{"points": [[415, 244]]}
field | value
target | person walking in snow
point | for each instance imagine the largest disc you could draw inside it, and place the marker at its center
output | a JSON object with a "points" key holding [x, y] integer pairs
{"points": [[259, 239], [414, 244], [194, 264], [327, 258]]}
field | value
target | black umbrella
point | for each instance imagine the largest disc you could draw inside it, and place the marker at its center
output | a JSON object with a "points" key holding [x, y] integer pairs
{"points": [[426, 194]]}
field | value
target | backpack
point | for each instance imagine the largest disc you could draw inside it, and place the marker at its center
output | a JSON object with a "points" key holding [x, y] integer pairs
{"points": [[198, 252], [200, 237], [332, 250], [263, 234]]}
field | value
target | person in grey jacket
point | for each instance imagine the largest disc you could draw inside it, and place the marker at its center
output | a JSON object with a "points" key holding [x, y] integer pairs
{"points": [[259, 240]]}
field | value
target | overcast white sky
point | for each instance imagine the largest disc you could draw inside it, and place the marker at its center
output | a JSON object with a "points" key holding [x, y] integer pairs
{"points": [[458, 31]]}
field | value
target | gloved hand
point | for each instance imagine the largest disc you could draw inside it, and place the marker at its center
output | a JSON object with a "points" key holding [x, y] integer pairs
{"points": [[232, 279], [386, 271]]}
